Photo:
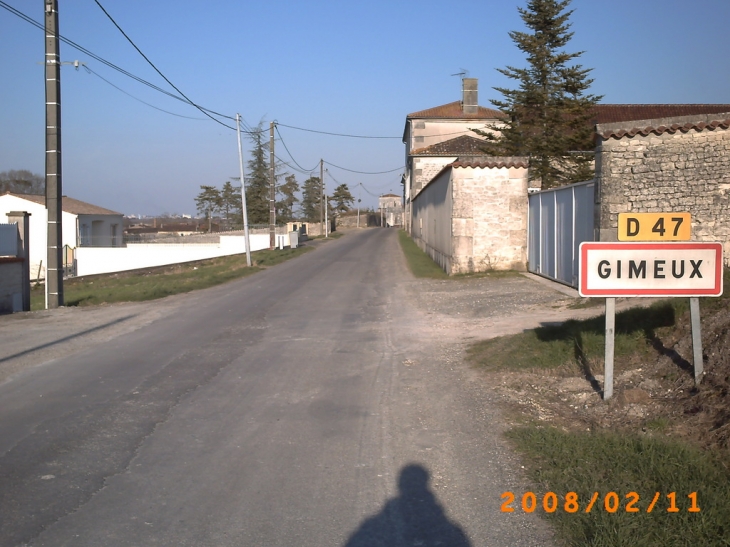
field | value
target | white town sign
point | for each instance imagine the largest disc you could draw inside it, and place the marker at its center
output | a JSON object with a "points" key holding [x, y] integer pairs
{"points": [[610, 269]]}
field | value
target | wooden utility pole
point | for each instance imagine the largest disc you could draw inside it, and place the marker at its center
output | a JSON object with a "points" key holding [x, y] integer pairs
{"points": [[321, 200], [54, 192], [272, 190]]}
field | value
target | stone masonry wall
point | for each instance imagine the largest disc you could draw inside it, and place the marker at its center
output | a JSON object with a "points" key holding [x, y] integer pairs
{"points": [[489, 225], [425, 169], [668, 172]]}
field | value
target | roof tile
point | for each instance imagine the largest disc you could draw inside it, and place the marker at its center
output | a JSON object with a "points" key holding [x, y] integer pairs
{"points": [[455, 112], [69, 205]]}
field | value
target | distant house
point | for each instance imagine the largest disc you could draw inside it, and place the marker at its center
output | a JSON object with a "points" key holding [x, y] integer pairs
{"points": [[466, 209], [390, 208], [83, 225], [440, 135]]}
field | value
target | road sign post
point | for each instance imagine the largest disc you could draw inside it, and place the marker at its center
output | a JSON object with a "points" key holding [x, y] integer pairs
{"points": [[610, 269]]}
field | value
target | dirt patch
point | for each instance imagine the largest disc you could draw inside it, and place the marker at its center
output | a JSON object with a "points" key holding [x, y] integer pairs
{"points": [[654, 395]]}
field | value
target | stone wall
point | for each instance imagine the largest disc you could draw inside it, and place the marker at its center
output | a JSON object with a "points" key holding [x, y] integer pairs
{"points": [[666, 165], [473, 218], [425, 170], [489, 223]]}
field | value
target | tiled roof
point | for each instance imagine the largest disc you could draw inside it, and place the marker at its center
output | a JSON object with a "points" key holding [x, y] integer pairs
{"points": [[69, 205], [612, 113], [459, 146], [455, 112], [659, 129], [494, 162]]}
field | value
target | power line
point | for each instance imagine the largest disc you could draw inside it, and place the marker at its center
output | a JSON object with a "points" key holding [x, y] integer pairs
{"points": [[336, 134], [138, 99], [365, 172], [276, 127], [161, 74], [111, 65]]}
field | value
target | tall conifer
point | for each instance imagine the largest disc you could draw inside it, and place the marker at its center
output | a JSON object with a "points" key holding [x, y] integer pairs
{"points": [[257, 184], [547, 116]]}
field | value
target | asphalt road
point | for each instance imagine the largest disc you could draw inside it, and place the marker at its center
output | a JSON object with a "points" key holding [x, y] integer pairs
{"points": [[313, 404]]}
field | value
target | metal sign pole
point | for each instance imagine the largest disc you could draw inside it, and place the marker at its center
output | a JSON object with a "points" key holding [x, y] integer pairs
{"points": [[694, 312], [608, 358]]}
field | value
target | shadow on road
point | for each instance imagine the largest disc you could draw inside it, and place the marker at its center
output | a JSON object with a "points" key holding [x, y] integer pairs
{"points": [[413, 518], [67, 338]]}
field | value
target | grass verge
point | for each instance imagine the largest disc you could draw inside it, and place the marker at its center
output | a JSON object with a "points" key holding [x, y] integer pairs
{"points": [[576, 344], [561, 462], [634, 464], [152, 283], [420, 264]]}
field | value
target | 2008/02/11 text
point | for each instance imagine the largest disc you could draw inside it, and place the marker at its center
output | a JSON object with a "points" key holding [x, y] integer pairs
{"points": [[611, 503]]}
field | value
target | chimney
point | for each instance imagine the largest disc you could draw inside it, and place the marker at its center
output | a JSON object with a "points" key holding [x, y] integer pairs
{"points": [[469, 101]]}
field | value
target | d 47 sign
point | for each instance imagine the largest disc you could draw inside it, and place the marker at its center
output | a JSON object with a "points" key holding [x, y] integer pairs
{"points": [[650, 269]]}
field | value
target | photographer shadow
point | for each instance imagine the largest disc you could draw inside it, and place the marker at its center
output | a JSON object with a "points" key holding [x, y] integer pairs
{"points": [[413, 518]]}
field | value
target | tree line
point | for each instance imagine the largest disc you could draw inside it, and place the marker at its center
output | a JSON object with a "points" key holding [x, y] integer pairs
{"points": [[21, 182], [226, 201]]}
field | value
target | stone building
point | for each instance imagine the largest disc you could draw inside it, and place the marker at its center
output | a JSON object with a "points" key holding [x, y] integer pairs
{"points": [[679, 163], [438, 136], [467, 210], [390, 209], [472, 216]]}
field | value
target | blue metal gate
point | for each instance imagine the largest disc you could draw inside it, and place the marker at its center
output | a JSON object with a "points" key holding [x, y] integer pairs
{"points": [[559, 220]]}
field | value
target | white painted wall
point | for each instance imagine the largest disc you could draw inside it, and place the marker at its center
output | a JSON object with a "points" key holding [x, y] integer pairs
{"points": [[38, 229], [98, 260], [431, 228]]}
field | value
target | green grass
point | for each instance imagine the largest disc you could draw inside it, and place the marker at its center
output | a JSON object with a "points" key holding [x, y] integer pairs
{"points": [[603, 461], [563, 462], [152, 283], [420, 264], [581, 344], [575, 344]]}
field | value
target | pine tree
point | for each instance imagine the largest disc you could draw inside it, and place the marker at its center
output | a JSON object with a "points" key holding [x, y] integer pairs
{"points": [[312, 199], [231, 205], [208, 202], [547, 117], [257, 183], [342, 199], [288, 190]]}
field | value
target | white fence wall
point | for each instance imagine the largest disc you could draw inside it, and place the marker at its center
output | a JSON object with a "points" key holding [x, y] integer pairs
{"points": [[98, 260], [559, 220]]}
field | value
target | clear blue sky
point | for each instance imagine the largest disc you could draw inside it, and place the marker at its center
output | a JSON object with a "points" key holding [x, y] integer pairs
{"points": [[344, 67]]}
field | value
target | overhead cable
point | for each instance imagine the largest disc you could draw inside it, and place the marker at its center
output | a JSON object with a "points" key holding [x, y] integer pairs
{"points": [[336, 134], [111, 65], [276, 128], [137, 99], [161, 74], [365, 172]]}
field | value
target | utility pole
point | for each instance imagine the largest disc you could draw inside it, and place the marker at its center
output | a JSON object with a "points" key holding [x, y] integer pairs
{"points": [[359, 188], [326, 212], [243, 193], [54, 191], [272, 190], [321, 200]]}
